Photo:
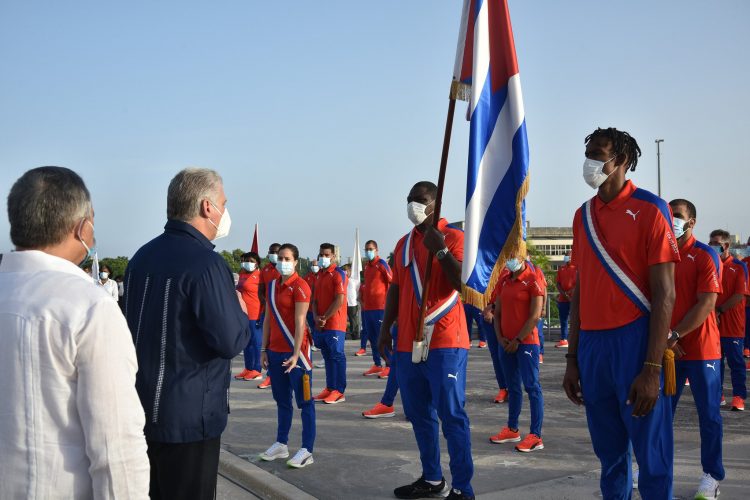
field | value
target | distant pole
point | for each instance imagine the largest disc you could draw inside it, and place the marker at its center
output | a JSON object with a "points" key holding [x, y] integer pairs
{"points": [[658, 165]]}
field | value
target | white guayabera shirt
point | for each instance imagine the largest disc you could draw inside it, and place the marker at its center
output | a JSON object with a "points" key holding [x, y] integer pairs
{"points": [[71, 423]]}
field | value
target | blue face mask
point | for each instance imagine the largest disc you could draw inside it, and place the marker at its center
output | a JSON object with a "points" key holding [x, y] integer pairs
{"points": [[324, 262], [90, 252], [513, 264], [370, 254], [679, 227], [718, 249]]}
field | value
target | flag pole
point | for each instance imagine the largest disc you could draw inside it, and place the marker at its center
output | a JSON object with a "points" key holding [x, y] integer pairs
{"points": [[419, 336]]}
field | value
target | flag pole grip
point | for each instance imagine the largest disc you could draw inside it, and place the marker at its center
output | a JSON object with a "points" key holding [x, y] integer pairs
{"points": [[419, 335]]}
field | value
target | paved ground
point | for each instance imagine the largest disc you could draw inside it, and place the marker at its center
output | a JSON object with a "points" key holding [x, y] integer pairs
{"points": [[226, 489], [366, 459]]}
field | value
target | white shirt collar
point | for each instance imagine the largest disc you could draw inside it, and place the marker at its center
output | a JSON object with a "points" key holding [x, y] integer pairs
{"points": [[36, 260]]}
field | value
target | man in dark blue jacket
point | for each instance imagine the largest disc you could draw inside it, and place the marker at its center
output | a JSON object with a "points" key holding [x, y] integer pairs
{"points": [[187, 325]]}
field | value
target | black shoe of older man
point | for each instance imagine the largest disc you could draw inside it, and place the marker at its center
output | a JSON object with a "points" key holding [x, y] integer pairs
{"points": [[421, 489]]}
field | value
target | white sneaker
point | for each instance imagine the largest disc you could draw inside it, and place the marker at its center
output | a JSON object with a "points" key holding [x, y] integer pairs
{"points": [[708, 489], [277, 450], [301, 459]]}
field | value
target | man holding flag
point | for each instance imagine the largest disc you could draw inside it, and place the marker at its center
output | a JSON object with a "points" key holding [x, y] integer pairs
{"points": [[436, 385], [625, 250]]}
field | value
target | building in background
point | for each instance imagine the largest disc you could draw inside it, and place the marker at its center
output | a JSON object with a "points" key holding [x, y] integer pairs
{"points": [[554, 242]]}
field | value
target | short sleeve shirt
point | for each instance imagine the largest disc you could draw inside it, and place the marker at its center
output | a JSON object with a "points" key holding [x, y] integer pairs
{"points": [[699, 271], [450, 331], [288, 294], [378, 276], [637, 226], [331, 282], [515, 302], [566, 281], [248, 288], [733, 281], [268, 274]]}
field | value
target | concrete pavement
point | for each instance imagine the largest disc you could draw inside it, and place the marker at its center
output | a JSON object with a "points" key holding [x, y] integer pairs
{"points": [[366, 459]]}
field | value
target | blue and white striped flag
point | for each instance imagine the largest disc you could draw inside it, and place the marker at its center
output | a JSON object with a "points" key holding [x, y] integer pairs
{"points": [[497, 179]]}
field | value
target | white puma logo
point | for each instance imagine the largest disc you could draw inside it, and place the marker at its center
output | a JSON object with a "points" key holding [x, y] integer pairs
{"points": [[630, 212], [525, 283], [712, 366], [733, 269], [335, 338], [450, 375], [736, 342], [527, 352], [691, 257]]}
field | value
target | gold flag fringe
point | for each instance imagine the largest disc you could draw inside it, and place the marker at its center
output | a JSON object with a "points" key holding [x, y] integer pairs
{"points": [[460, 91], [514, 245], [670, 377]]}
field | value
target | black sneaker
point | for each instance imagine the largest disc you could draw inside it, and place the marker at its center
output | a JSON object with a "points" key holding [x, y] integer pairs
{"points": [[421, 489], [457, 495]]}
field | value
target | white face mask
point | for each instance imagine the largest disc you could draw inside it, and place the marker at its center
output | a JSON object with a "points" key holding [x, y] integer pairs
{"points": [[314, 269], [225, 223], [273, 258], [285, 267], [416, 212], [593, 172], [324, 262], [679, 226], [513, 264], [104, 275], [248, 266]]}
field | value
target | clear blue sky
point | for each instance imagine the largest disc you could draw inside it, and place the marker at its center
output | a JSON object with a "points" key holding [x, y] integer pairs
{"points": [[321, 115]]}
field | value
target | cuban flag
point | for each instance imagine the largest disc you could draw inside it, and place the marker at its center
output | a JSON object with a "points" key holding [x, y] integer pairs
{"points": [[486, 71]]}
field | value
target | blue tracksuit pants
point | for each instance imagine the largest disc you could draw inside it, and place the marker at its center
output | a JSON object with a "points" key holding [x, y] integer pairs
{"points": [[522, 367], [731, 350], [608, 362], [495, 348], [391, 385], [747, 325], [332, 348], [564, 309], [371, 323], [436, 389], [474, 315], [284, 385], [251, 353], [705, 385]]}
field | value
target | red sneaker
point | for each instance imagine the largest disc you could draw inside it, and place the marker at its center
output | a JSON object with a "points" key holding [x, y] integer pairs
{"points": [[265, 384], [323, 394], [385, 372], [687, 382], [738, 404], [241, 375], [506, 435], [530, 443], [482, 344], [502, 396], [562, 343], [723, 401], [747, 367], [374, 370], [253, 375], [541, 359], [379, 411], [746, 352], [361, 352], [334, 397]]}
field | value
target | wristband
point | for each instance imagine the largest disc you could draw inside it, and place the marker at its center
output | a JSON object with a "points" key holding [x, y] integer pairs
{"points": [[263, 349], [655, 365]]}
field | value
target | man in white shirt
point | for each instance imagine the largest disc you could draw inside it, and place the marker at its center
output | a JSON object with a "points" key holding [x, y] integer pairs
{"points": [[352, 303], [71, 424]]}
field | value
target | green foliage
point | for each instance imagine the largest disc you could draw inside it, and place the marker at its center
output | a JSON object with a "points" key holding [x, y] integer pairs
{"points": [[116, 264], [541, 260], [232, 261]]}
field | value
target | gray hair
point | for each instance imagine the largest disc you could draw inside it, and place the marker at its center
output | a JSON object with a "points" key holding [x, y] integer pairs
{"points": [[45, 204], [188, 189]]}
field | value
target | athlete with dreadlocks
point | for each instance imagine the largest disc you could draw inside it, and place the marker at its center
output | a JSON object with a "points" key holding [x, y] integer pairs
{"points": [[625, 250]]}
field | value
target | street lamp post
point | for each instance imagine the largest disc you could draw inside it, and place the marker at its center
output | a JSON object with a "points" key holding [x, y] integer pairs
{"points": [[658, 165]]}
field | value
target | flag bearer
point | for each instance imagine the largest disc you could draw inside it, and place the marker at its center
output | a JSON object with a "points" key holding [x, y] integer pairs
{"points": [[436, 386]]}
